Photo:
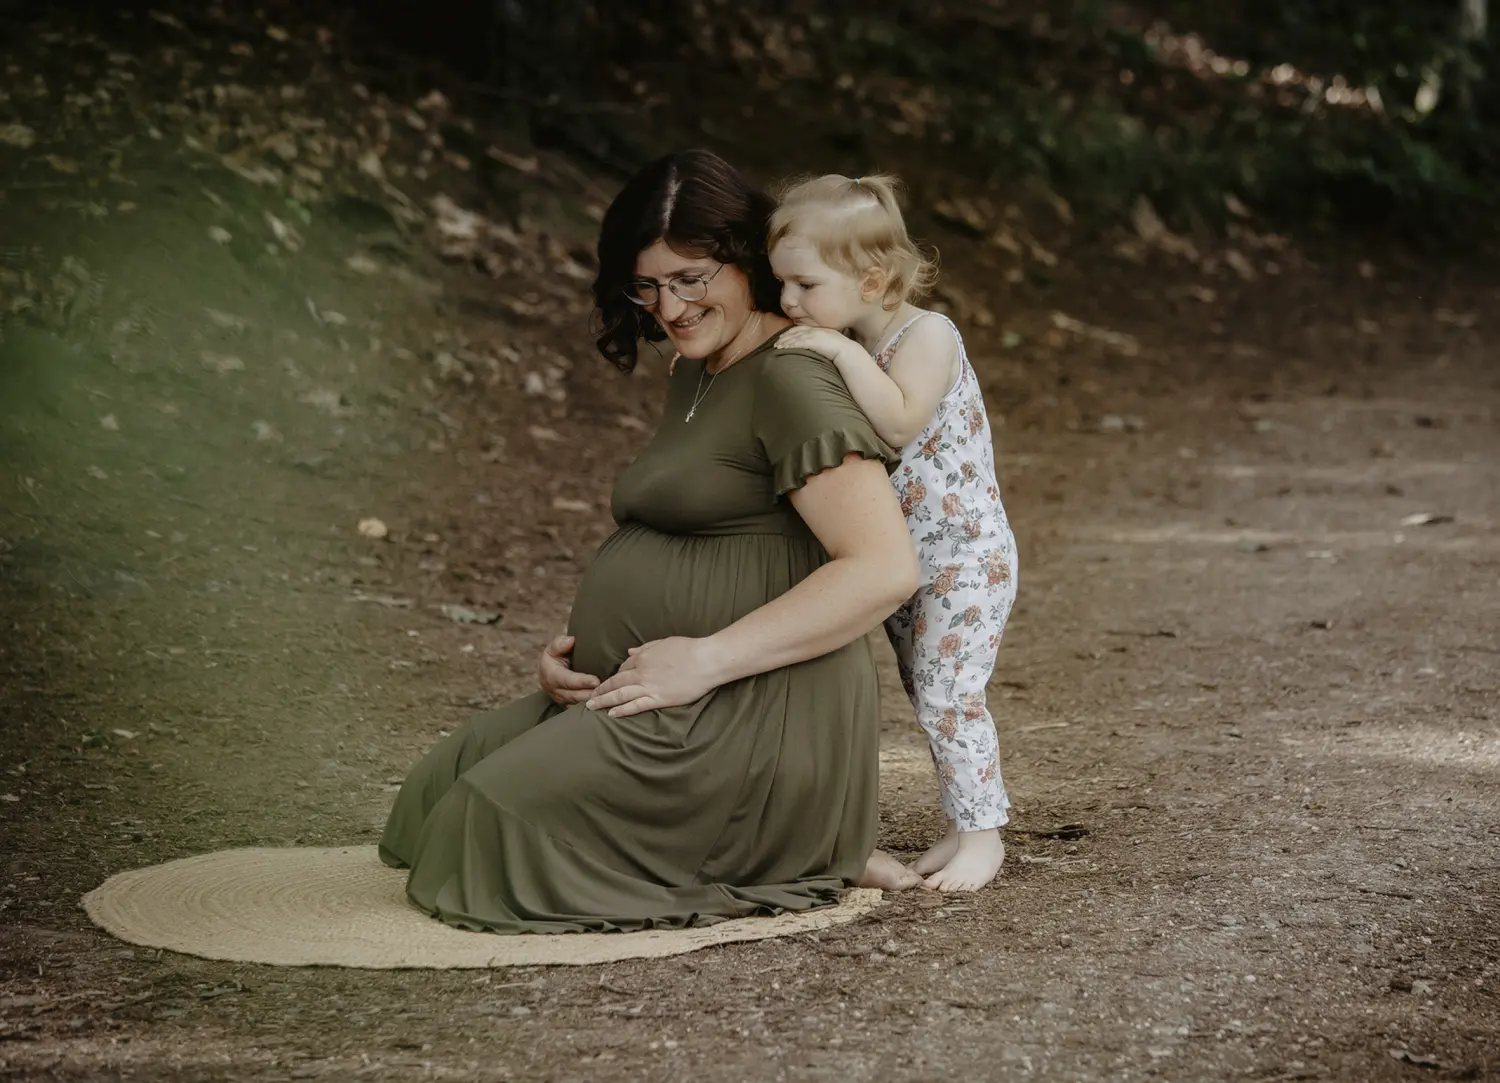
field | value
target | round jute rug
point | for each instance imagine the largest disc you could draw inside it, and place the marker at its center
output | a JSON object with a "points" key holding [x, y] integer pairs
{"points": [[339, 906]]}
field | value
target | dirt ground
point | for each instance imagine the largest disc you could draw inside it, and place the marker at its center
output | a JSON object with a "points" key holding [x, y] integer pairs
{"points": [[1248, 698]]}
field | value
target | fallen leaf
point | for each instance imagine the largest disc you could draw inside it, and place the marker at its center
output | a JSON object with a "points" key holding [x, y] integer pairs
{"points": [[1042, 255], [1425, 518], [1117, 423], [108, 421], [455, 222], [288, 237], [371, 166], [265, 431], [226, 320], [128, 735], [260, 174], [330, 402], [433, 102], [1126, 344], [221, 363], [386, 600], [1240, 265], [963, 214], [464, 615], [1005, 240], [220, 234], [97, 472], [563, 503], [283, 145], [61, 165], [1151, 229], [1418, 1059], [373, 528], [17, 135], [362, 264], [519, 164]]}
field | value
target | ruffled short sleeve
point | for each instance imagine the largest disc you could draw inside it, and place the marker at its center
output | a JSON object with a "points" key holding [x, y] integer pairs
{"points": [[806, 420]]}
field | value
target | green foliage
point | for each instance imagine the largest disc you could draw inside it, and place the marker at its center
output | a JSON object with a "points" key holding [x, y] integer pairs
{"points": [[1092, 109]]}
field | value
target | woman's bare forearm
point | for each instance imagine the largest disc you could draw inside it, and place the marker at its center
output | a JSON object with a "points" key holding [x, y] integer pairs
{"points": [[835, 605]]}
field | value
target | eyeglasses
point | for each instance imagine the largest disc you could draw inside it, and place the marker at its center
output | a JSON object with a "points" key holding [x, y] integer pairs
{"points": [[646, 293]]}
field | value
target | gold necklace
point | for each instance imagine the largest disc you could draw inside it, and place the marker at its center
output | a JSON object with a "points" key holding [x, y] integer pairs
{"points": [[883, 330], [702, 392]]}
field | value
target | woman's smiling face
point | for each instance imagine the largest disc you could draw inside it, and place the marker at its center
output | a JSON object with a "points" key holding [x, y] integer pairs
{"points": [[697, 329]]}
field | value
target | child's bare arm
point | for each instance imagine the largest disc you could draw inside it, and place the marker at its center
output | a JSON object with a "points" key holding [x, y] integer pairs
{"points": [[923, 368], [900, 404]]}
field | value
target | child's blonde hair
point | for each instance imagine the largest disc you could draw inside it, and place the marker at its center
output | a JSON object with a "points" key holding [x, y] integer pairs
{"points": [[856, 225]]}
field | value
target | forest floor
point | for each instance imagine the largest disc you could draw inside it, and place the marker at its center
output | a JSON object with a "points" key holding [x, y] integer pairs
{"points": [[1247, 699]]}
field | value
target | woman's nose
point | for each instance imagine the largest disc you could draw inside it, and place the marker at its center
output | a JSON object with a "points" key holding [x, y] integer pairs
{"points": [[668, 305]]}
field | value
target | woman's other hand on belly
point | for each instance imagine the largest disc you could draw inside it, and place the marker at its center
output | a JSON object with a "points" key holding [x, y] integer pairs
{"points": [[669, 672], [555, 674]]}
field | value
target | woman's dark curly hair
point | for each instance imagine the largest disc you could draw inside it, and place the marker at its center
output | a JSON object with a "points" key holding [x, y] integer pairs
{"points": [[700, 205]]}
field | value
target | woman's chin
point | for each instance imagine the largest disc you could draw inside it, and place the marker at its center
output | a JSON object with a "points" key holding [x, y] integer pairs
{"points": [[692, 347]]}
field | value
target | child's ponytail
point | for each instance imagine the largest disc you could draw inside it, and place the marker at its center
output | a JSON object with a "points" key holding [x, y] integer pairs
{"points": [[857, 224]]}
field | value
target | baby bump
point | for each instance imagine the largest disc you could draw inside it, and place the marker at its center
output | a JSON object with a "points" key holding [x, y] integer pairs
{"points": [[644, 584]]}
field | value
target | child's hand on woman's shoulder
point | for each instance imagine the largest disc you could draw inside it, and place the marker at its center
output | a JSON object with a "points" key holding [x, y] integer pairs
{"points": [[821, 341]]}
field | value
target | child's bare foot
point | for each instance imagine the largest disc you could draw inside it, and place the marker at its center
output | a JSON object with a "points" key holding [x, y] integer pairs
{"points": [[885, 872], [976, 862], [938, 854]]}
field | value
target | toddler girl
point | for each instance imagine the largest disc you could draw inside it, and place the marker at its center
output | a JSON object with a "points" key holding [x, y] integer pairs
{"points": [[841, 250]]}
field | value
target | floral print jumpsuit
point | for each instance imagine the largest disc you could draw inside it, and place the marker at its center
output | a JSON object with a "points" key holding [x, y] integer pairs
{"points": [[947, 634]]}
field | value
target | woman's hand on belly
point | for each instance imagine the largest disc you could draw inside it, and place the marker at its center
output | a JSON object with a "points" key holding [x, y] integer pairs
{"points": [[555, 673], [669, 672]]}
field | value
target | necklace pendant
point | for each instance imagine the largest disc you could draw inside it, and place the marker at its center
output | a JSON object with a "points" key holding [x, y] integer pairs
{"points": [[690, 414]]}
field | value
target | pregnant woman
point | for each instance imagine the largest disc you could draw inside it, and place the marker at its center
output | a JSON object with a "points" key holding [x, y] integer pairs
{"points": [[727, 766]]}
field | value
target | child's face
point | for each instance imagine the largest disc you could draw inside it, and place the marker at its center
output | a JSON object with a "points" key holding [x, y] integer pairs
{"points": [[813, 292]]}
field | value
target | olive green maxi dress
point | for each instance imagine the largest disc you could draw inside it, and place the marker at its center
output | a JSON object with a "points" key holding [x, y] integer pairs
{"points": [[756, 799]]}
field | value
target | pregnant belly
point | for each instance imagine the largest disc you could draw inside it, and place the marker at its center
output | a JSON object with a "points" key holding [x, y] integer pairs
{"points": [[644, 585]]}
